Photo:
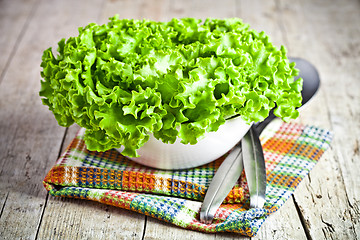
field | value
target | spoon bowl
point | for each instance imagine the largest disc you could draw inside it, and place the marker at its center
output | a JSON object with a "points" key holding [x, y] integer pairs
{"points": [[311, 79]]}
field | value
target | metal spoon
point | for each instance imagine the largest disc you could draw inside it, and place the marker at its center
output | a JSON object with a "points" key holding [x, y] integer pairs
{"points": [[253, 156], [311, 84], [231, 168]]}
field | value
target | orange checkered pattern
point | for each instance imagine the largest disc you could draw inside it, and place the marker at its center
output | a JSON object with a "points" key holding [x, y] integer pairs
{"points": [[290, 150]]}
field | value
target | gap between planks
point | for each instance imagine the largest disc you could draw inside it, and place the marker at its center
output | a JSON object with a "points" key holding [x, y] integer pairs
{"points": [[144, 230], [302, 219], [4, 203], [61, 149]]}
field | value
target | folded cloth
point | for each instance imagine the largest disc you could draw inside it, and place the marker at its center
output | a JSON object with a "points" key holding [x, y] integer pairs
{"points": [[291, 151]]}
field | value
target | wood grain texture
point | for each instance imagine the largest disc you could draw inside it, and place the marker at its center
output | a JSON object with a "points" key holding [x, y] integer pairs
{"points": [[14, 16], [24, 125], [78, 219], [326, 205], [30, 139], [283, 224], [326, 188]]}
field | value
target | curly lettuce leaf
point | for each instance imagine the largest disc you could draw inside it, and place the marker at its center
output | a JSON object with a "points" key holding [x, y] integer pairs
{"points": [[179, 79]]}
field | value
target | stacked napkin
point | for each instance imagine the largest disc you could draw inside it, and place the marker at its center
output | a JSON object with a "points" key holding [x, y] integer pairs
{"points": [[291, 151]]}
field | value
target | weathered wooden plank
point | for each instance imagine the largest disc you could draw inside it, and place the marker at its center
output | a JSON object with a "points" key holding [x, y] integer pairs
{"points": [[343, 96], [216, 9], [322, 202], [80, 219], [263, 16], [156, 229], [323, 199], [30, 136], [13, 19], [283, 224], [139, 9]]}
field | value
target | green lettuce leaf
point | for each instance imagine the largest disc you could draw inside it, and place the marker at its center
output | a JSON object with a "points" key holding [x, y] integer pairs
{"points": [[180, 79]]}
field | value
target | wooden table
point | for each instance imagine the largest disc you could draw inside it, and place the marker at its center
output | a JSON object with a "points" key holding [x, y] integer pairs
{"points": [[327, 33]]}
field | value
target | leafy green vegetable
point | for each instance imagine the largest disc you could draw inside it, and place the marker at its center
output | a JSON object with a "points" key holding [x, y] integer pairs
{"points": [[182, 78]]}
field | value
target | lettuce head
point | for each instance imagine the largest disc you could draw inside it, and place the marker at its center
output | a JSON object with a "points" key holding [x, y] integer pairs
{"points": [[180, 79]]}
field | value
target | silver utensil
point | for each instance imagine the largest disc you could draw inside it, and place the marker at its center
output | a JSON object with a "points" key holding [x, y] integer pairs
{"points": [[214, 195], [254, 166], [232, 167]]}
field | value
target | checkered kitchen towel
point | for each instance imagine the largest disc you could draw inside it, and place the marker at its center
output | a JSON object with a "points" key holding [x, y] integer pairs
{"points": [[291, 151]]}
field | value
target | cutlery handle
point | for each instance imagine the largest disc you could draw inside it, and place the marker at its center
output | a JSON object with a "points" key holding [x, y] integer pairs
{"points": [[220, 186], [260, 126], [254, 166]]}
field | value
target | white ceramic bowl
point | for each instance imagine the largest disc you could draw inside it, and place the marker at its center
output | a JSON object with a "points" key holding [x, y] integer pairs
{"points": [[160, 155]]}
